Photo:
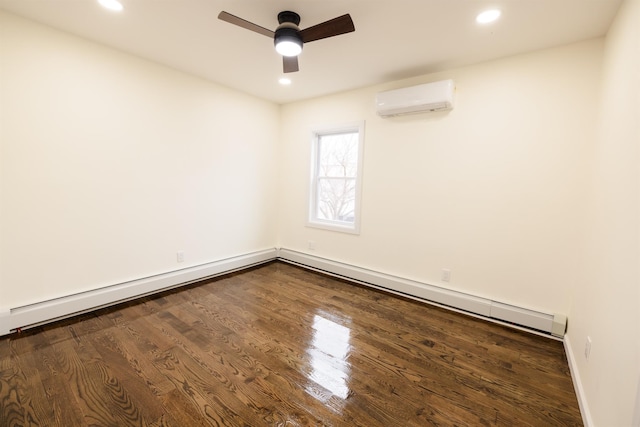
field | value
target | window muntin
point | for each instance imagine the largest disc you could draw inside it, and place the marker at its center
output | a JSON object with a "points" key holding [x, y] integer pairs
{"points": [[335, 184]]}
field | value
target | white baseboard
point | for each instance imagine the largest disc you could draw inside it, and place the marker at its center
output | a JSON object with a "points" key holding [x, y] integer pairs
{"points": [[577, 383], [531, 320], [59, 308]]}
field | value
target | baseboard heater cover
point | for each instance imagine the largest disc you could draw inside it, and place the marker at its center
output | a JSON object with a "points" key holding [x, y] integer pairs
{"points": [[553, 324], [4, 321], [67, 306], [47, 311]]}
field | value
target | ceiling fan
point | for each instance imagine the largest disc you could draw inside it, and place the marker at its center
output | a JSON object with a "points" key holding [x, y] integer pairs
{"points": [[288, 38]]}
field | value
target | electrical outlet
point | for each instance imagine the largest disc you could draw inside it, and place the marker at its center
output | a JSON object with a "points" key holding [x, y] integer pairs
{"points": [[587, 348], [312, 245], [446, 275], [180, 256]]}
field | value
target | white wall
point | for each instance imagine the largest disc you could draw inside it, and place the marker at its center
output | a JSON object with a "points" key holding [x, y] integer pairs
{"points": [[607, 301], [110, 164], [493, 190]]}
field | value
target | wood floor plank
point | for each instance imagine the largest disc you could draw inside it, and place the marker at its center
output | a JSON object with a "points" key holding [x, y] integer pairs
{"points": [[137, 390], [244, 374], [278, 345], [134, 344]]}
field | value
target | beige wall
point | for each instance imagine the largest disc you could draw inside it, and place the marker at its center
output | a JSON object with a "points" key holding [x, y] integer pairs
{"points": [[607, 292], [493, 190], [528, 190], [110, 164]]}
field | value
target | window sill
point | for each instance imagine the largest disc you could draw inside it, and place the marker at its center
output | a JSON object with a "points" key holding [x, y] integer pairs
{"points": [[332, 226]]}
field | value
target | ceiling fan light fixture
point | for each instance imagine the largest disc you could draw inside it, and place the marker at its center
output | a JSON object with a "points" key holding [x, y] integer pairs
{"points": [[288, 48], [288, 42], [288, 38]]}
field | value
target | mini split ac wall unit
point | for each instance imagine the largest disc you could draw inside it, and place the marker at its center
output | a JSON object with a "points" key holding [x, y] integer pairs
{"points": [[436, 96]]}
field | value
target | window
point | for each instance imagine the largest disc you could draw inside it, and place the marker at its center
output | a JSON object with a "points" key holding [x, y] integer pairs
{"points": [[336, 178]]}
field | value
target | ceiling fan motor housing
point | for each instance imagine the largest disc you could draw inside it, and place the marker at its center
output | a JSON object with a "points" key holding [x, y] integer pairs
{"points": [[288, 16]]}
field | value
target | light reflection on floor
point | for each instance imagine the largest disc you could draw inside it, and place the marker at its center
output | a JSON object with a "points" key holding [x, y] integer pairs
{"points": [[328, 354]]}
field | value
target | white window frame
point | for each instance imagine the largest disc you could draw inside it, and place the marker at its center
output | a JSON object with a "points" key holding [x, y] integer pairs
{"points": [[312, 219]]}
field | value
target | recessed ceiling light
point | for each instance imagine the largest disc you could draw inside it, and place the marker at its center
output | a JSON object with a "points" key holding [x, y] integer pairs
{"points": [[111, 4], [488, 16], [284, 81]]}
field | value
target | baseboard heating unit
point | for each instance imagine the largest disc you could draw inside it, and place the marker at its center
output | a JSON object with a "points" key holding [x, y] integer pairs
{"points": [[17, 318], [534, 321], [71, 305]]}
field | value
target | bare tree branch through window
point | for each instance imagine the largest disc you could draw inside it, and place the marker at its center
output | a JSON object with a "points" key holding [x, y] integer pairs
{"points": [[338, 167]]}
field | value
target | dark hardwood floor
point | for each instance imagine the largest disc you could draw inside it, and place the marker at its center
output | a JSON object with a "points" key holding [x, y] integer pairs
{"points": [[281, 346]]}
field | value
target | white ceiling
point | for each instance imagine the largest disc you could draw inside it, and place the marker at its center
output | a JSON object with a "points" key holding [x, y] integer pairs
{"points": [[394, 39]]}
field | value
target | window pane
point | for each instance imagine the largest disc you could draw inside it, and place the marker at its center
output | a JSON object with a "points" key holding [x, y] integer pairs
{"points": [[338, 155], [336, 179], [336, 199]]}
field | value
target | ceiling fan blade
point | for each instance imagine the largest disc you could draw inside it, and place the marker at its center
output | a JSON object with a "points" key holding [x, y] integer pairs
{"points": [[232, 19], [290, 64], [334, 27]]}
